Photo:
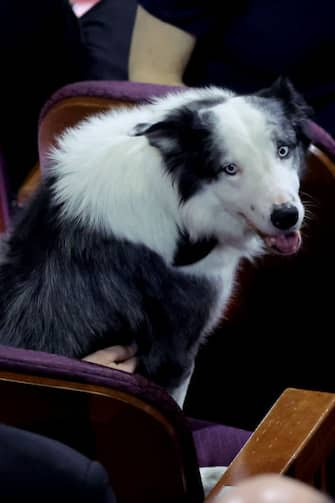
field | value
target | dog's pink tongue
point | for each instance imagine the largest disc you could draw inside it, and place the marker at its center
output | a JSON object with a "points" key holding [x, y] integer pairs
{"points": [[285, 244]]}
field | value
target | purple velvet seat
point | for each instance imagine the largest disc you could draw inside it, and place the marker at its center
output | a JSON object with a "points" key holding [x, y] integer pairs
{"points": [[116, 90], [216, 444]]}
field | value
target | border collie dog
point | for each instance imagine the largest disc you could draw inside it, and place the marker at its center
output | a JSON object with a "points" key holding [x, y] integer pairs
{"points": [[137, 230]]}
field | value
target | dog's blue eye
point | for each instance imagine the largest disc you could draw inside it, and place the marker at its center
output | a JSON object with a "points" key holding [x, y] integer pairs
{"points": [[230, 169], [283, 151]]}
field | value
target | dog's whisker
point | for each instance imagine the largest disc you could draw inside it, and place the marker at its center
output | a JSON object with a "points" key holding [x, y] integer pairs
{"points": [[308, 199]]}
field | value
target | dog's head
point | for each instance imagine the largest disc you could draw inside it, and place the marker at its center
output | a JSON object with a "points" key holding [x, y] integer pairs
{"points": [[236, 163]]}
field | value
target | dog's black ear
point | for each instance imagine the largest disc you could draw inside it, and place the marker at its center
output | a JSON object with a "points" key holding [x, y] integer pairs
{"points": [[155, 129], [183, 127], [294, 103], [141, 129], [159, 134]]}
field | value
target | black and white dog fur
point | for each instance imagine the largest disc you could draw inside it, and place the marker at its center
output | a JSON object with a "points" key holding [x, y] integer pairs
{"points": [[137, 230]]}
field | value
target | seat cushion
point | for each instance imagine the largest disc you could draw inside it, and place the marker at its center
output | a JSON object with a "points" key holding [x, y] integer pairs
{"points": [[216, 444]]}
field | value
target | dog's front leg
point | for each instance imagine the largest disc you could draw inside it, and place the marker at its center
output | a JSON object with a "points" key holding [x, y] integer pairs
{"points": [[179, 393]]}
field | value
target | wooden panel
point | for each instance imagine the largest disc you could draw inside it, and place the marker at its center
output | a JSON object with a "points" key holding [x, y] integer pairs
{"points": [[296, 438]]}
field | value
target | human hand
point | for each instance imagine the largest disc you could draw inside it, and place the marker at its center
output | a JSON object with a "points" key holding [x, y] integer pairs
{"points": [[115, 357]]}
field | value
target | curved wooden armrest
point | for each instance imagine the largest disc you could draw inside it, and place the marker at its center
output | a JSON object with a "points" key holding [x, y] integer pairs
{"points": [[295, 438], [149, 455]]}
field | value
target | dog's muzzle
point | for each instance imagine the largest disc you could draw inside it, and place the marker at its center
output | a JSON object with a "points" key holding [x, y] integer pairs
{"points": [[286, 240]]}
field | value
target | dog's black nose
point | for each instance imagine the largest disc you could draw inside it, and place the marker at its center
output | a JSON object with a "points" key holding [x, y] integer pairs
{"points": [[284, 216]]}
